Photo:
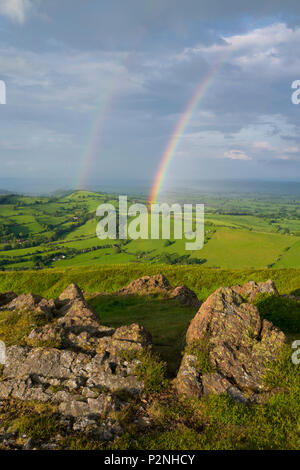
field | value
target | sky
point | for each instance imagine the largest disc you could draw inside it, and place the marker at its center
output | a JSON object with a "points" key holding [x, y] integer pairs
{"points": [[95, 90]]}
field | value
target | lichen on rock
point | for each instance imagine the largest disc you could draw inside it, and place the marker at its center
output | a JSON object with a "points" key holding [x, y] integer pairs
{"points": [[72, 361], [236, 343]]}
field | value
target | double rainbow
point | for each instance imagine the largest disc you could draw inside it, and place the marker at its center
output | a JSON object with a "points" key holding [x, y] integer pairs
{"points": [[170, 150]]}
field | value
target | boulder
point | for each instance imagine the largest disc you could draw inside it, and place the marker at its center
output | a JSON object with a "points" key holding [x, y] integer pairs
{"points": [[79, 383], [160, 284], [78, 313], [146, 285], [71, 293], [83, 369], [185, 296], [73, 361], [47, 308], [25, 302], [251, 289], [228, 348], [132, 338], [134, 333], [77, 326]]}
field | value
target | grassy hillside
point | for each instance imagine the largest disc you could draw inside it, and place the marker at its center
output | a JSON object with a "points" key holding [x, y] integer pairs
{"points": [[213, 422], [50, 282]]}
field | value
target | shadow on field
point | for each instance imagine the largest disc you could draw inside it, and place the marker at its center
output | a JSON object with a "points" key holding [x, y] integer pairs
{"points": [[165, 319], [283, 312], [296, 292]]}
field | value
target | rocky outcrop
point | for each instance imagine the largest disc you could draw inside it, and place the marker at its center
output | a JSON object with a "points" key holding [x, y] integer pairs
{"points": [[89, 373], [24, 301], [80, 384], [160, 284], [228, 346], [71, 293], [78, 327], [146, 285], [251, 289], [32, 302], [73, 361]]}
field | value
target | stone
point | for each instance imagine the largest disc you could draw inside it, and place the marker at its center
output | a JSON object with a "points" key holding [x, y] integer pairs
{"points": [[46, 307], [71, 293], [67, 377], [160, 284], [25, 302], [145, 285], [134, 333], [188, 380], [28, 444], [237, 345], [251, 289], [185, 296]]}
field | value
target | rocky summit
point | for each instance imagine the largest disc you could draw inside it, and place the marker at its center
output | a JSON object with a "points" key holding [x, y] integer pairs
{"points": [[72, 361], [160, 284], [88, 373], [229, 346]]}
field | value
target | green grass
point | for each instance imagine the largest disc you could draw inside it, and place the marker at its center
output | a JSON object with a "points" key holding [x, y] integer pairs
{"points": [[36, 420], [219, 423], [239, 248], [166, 320], [150, 369], [204, 281], [15, 325], [290, 257], [245, 221], [38, 427]]}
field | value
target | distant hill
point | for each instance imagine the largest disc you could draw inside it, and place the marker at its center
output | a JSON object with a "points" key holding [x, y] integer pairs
{"points": [[4, 192]]}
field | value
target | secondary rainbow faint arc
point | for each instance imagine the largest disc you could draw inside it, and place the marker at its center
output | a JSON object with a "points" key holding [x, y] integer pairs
{"points": [[95, 137], [179, 131]]}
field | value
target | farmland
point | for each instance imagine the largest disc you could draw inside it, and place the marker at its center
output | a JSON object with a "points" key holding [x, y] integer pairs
{"points": [[57, 232]]}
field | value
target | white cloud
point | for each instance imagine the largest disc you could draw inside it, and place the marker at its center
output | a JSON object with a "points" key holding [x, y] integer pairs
{"points": [[284, 157], [269, 49], [276, 149], [68, 79], [16, 10], [263, 146], [237, 155], [292, 149]]}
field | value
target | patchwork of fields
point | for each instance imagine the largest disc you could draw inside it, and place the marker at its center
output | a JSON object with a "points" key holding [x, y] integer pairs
{"points": [[61, 231]]}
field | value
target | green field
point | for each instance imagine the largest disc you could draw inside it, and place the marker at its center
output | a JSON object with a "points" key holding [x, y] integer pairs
{"points": [[57, 232]]}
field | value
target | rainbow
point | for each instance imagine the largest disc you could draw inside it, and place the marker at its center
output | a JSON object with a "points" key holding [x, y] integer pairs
{"points": [[94, 139], [95, 135], [179, 130]]}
